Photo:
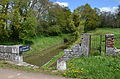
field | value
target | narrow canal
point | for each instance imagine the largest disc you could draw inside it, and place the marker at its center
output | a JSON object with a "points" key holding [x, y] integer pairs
{"points": [[45, 55]]}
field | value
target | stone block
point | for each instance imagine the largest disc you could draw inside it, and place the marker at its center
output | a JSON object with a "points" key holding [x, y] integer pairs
{"points": [[61, 64]]}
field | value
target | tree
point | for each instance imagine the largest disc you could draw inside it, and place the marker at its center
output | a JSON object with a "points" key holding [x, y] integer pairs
{"points": [[4, 30], [88, 16], [55, 18], [16, 20], [118, 16], [23, 21], [40, 8]]}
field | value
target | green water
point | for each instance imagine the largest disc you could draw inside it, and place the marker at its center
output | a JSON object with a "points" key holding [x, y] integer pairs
{"points": [[44, 56]]}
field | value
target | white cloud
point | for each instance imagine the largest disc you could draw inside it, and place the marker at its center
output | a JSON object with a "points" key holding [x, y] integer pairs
{"points": [[64, 4], [107, 9]]}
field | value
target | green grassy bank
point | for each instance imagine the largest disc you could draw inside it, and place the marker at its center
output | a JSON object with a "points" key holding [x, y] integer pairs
{"points": [[105, 31], [96, 67], [42, 43]]}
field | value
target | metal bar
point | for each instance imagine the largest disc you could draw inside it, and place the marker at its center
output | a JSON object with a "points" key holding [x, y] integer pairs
{"points": [[90, 45], [105, 44], [116, 38], [100, 44]]}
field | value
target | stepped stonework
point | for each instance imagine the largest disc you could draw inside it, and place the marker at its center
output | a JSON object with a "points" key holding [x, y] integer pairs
{"points": [[82, 49]]}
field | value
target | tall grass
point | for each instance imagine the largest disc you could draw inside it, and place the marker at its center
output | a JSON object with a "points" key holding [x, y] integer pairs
{"points": [[105, 31], [41, 43], [95, 39], [53, 61], [96, 67]]}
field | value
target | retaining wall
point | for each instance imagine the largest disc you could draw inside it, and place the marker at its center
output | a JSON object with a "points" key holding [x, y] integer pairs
{"points": [[11, 53]]}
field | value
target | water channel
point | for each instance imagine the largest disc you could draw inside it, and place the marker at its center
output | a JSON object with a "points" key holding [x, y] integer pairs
{"points": [[45, 55]]}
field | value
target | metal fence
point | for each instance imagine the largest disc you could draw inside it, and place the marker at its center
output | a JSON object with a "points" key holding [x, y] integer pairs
{"points": [[97, 45], [117, 41]]}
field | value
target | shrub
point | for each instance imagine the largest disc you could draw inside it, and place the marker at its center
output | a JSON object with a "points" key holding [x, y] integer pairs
{"points": [[54, 30]]}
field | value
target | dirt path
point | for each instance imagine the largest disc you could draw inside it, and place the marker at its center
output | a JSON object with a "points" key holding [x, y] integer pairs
{"points": [[14, 74]]}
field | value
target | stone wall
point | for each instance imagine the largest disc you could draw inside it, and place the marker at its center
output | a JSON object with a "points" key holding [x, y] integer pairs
{"points": [[109, 43], [110, 48], [10, 53], [76, 51], [84, 49], [85, 44]]}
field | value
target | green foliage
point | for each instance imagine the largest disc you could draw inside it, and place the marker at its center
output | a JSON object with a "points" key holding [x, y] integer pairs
{"points": [[72, 27], [118, 17], [23, 21], [4, 32], [87, 15], [108, 19], [76, 27], [104, 31], [97, 67], [73, 39], [96, 47], [41, 43], [55, 22], [76, 35], [16, 23], [54, 30], [4, 64], [76, 24], [53, 60], [28, 27]]}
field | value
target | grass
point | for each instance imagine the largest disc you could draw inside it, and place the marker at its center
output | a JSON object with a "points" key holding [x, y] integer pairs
{"points": [[95, 39], [40, 43], [44, 48], [95, 43], [4, 65], [95, 67], [53, 61], [45, 56], [105, 31], [11, 43]]}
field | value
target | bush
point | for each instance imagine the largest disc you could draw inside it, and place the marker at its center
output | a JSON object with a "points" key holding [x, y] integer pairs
{"points": [[54, 30], [97, 67], [74, 37]]}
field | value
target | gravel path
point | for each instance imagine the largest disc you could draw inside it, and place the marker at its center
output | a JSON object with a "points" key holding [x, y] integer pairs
{"points": [[14, 74]]}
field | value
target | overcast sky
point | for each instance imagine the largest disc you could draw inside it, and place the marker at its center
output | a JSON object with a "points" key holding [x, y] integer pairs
{"points": [[105, 5]]}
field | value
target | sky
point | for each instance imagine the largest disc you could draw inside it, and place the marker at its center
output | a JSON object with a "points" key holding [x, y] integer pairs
{"points": [[104, 5]]}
